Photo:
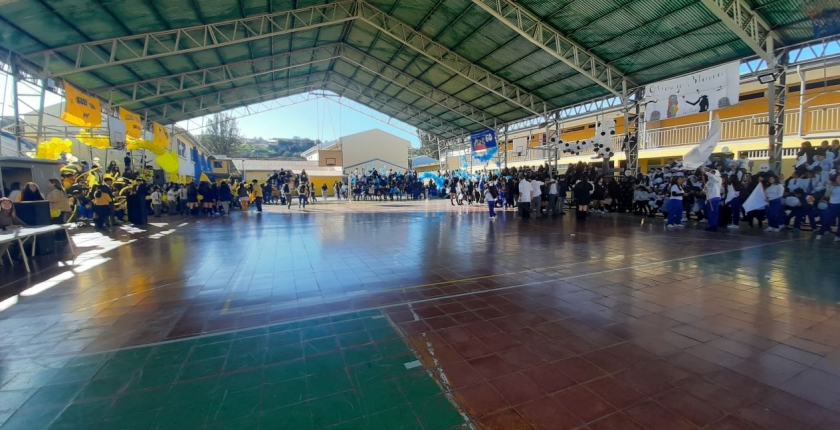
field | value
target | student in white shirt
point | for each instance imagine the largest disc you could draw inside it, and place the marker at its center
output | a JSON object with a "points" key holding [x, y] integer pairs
{"points": [[675, 202], [829, 216], [551, 207], [733, 199], [156, 201], [640, 201], [490, 195], [536, 195], [773, 194], [172, 198], [182, 200], [713, 193], [524, 197]]}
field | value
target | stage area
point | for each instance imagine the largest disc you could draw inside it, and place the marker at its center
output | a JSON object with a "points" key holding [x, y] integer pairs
{"points": [[420, 315]]}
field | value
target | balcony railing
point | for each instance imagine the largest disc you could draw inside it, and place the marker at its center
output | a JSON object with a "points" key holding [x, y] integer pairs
{"points": [[818, 120]]}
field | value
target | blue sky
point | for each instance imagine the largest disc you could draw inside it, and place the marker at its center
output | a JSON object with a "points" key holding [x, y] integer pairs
{"points": [[315, 119]]}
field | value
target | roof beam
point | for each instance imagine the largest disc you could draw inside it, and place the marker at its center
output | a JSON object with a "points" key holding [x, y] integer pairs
{"points": [[416, 86], [745, 23], [98, 54], [168, 86], [555, 43], [438, 53], [413, 113], [191, 107]]}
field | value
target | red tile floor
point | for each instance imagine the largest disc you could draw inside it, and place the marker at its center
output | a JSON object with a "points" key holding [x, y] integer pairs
{"points": [[543, 324]]}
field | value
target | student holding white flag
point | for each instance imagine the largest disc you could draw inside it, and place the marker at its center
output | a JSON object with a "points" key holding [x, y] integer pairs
{"points": [[713, 185]]}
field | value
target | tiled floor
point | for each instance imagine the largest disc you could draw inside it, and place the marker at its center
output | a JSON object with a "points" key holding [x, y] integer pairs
{"points": [[547, 324]]}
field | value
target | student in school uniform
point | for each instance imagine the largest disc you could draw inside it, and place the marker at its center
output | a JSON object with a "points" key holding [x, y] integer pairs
{"points": [[490, 196], [733, 197], [830, 215], [675, 202], [773, 194], [713, 194]]}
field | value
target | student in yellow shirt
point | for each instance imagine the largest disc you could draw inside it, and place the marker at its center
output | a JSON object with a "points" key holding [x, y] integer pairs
{"points": [[102, 200], [258, 194]]}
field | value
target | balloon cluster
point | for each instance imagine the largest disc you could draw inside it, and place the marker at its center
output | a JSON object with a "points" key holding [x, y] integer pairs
{"points": [[135, 144], [53, 148], [433, 176], [487, 156], [168, 161], [99, 141], [601, 143]]}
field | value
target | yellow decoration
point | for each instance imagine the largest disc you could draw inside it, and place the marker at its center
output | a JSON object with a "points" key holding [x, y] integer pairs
{"points": [[133, 123], [93, 140], [161, 137], [80, 109], [203, 178], [53, 148], [168, 161], [135, 144]]}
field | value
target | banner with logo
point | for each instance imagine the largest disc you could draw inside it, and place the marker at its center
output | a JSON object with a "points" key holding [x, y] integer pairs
{"points": [[80, 109], [484, 139], [160, 136], [133, 123], [703, 91]]}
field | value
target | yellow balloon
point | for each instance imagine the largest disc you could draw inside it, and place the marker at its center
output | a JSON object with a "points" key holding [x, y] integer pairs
{"points": [[53, 148], [168, 161], [135, 144], [93, 140]]}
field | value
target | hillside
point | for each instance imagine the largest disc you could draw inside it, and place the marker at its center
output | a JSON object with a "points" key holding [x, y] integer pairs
{"points": [[276, 147]]}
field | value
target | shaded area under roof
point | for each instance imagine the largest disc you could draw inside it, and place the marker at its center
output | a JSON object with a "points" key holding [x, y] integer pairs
{"points": [[646, 40]]}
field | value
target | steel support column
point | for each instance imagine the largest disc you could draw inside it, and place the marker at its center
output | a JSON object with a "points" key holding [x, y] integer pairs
{"points": [[777, 96], [16, 109], [802, 101], [631, 134]]}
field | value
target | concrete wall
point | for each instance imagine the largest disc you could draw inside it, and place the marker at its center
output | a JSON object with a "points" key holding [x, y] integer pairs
{"points": [[375, 146]]}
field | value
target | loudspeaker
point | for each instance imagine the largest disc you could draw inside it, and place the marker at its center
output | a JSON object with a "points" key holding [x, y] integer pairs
{"points": [[159, 177], [36, 214]]}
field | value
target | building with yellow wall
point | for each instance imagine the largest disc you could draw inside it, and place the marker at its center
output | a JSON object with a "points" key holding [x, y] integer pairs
{"points": [[812, 115]]}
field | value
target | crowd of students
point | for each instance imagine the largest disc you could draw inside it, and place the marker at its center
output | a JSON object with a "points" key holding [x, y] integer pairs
{"points": [[381, 185]]}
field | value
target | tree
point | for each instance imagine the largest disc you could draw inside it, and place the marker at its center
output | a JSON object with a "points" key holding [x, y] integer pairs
{"points": [[222, 135]]}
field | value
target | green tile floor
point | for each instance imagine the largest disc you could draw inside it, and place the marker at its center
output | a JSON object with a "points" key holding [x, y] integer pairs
{"points": [[340, 372]]}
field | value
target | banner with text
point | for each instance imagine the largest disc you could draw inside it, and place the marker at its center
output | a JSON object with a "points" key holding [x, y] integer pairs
{"points": [[80, 109], [484, 139], [706, 90]]}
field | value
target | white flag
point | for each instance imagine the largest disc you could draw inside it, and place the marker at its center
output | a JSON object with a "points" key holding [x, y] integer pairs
{"points": [[698, 155], [756, 200]]}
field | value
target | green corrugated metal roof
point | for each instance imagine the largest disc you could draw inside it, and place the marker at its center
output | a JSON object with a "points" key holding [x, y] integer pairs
{"points": [[647, 40]]}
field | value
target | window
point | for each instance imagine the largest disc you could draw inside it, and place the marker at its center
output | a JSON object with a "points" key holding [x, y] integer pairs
{"points": [[217, 165], [330, 161], [182, 149]]}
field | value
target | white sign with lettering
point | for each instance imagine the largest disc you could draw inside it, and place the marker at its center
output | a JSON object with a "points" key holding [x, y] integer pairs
{"points": [[703, 91]]}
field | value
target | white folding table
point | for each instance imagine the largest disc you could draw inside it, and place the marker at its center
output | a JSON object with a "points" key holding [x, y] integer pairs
{"points": [[22, 235]]}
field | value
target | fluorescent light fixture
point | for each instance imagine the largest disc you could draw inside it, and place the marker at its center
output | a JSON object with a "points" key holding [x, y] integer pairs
{"points": [[767, 78]]}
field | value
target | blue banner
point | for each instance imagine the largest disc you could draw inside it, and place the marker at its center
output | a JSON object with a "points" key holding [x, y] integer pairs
{"points": [[481, 140]]}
